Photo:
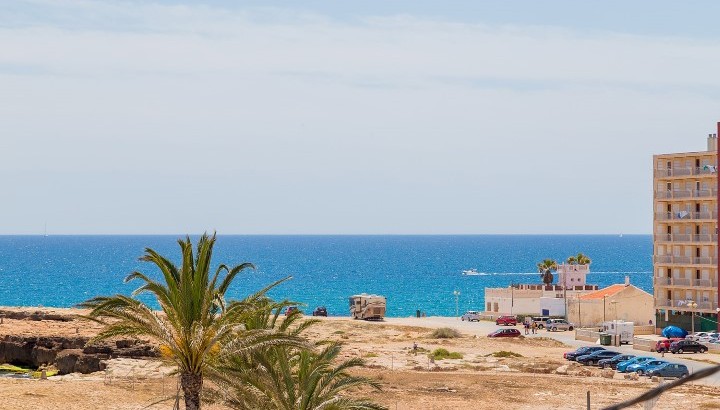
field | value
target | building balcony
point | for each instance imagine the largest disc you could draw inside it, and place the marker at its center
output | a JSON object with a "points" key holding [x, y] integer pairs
{"points": [[677, 237], [685, 216], [684, 260], [684, 171], [686, 193], [686, 283], [681, 304]]}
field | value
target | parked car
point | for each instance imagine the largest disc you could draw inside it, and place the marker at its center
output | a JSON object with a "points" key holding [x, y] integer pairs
{"points": [[613, 361], [697, 335], [644, 367], [581, 351], [594, 358], [471, 316], [622, 366], [320, 311], [540, 320], [291, 309], [682, 346], [663, 345], [506, 320], [669, 370], [710, 338], [505, 333], [553, 325]]}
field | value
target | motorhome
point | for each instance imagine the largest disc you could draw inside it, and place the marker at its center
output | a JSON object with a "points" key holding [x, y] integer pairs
{"points": [[366, 306], [622, 330]]}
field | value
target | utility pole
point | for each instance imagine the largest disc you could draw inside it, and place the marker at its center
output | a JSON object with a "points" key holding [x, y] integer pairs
{"points": [[512, 297], [457, 305], [604, 309]]}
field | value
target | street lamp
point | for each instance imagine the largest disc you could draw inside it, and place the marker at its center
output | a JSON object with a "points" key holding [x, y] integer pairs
{"points": [[692, 305], [457, 306]]}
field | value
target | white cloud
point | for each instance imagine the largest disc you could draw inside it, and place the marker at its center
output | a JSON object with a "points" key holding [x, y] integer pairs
{"points": [[131, 117]]}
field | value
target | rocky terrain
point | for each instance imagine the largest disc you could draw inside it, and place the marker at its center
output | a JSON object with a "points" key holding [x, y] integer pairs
{"points": [[67, 352]]}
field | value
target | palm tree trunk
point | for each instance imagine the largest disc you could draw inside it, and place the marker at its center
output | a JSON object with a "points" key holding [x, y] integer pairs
{"points": [[192, 385]]}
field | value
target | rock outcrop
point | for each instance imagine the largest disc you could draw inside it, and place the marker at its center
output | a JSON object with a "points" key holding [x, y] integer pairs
{"points": [[69, 354]]}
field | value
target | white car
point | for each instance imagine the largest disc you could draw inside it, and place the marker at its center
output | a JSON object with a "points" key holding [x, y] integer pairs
{"points": [[471, 316], [697, 335], [710, 338]]}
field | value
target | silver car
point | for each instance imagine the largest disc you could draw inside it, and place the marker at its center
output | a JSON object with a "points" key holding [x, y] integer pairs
{"points": [[471, 316], [553, 325]]}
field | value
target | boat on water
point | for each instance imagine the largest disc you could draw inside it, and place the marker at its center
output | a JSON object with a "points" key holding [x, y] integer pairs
{"points": [[471, 272]]}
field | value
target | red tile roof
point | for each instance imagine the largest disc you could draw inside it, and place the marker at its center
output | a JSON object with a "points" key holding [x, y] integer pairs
{"points": [[603, 293]]}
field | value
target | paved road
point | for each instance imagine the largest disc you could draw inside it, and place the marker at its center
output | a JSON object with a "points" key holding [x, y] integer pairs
{"points": [[482, 328]]}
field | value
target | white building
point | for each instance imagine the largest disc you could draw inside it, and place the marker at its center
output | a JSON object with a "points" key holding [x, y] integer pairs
{"points": [[540, 299], [546, 300]]}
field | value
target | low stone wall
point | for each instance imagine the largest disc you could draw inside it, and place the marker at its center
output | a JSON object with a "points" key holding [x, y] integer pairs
{"points": [[587, 335], [647, 345], [644, 330]]}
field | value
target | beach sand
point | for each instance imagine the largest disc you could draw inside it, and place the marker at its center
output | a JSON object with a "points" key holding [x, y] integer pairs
{"points": [[410, 381]]}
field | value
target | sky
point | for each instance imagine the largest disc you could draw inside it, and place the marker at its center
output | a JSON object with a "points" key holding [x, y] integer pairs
{"points": [[326, 117]]}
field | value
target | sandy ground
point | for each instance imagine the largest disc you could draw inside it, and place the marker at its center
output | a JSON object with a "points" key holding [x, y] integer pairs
{"points": [[410, 381]]}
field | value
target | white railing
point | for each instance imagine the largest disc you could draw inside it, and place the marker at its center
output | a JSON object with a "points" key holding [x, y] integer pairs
{"points": [[685, 260], [679, 194], [684, 171], [685, 215], [679, 237]]}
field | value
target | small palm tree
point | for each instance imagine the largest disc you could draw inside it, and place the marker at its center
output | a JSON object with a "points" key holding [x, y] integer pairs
{"points": [[290, 378], [545, 268], [195, 322], [580, 259]]}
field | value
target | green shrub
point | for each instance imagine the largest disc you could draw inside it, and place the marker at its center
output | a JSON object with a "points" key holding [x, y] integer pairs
{"points": [[505, 353], [441, 354], [445, 333]]}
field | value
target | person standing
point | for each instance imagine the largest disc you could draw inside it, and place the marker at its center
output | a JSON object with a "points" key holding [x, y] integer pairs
{"points": [[527, 328], [534, 328]]}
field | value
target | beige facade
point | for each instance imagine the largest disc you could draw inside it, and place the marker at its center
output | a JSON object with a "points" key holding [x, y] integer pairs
{"points": [[616, 302], [685, 241]]}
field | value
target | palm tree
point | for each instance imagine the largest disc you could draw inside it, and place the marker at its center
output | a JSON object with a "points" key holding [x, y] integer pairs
{"points": [[545, 268], [580, 259], [195, 322], [291, 378]]}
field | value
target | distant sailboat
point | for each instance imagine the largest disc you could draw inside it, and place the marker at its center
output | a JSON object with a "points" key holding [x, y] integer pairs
{"points": [[621, 235], [45, 232]]}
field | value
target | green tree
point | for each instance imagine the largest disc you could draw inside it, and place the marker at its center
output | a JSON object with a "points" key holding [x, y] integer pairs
{"points": [[580, 259], [546, 268], [195, 323], [290, 377]]}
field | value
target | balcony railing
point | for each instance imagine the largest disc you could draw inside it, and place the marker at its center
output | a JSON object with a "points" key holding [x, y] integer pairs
{"points": [[686, 193], [685, 215], [685, 171], [665, 281], [685, 260], [681, 237], [681, 304]]}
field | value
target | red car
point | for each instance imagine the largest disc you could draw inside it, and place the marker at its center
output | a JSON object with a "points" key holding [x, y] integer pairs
{"points": [[505, 333], [506, 320], [664, 344], [290, 310]]}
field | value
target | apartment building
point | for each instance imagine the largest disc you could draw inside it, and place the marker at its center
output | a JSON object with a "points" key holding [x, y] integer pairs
{"points": [[685, 238]]}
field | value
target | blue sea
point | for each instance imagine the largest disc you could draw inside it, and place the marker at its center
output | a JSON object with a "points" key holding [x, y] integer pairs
{"points": [[414, 272]]}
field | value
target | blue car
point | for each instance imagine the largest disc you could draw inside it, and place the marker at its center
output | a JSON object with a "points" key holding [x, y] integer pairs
{"points": [[669, 370], [622, 366], [644, 367], [613, 361], [595, 357], [581, 351]]}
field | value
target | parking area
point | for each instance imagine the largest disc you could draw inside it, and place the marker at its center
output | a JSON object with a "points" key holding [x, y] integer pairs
{"points": [[693, 361]]}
